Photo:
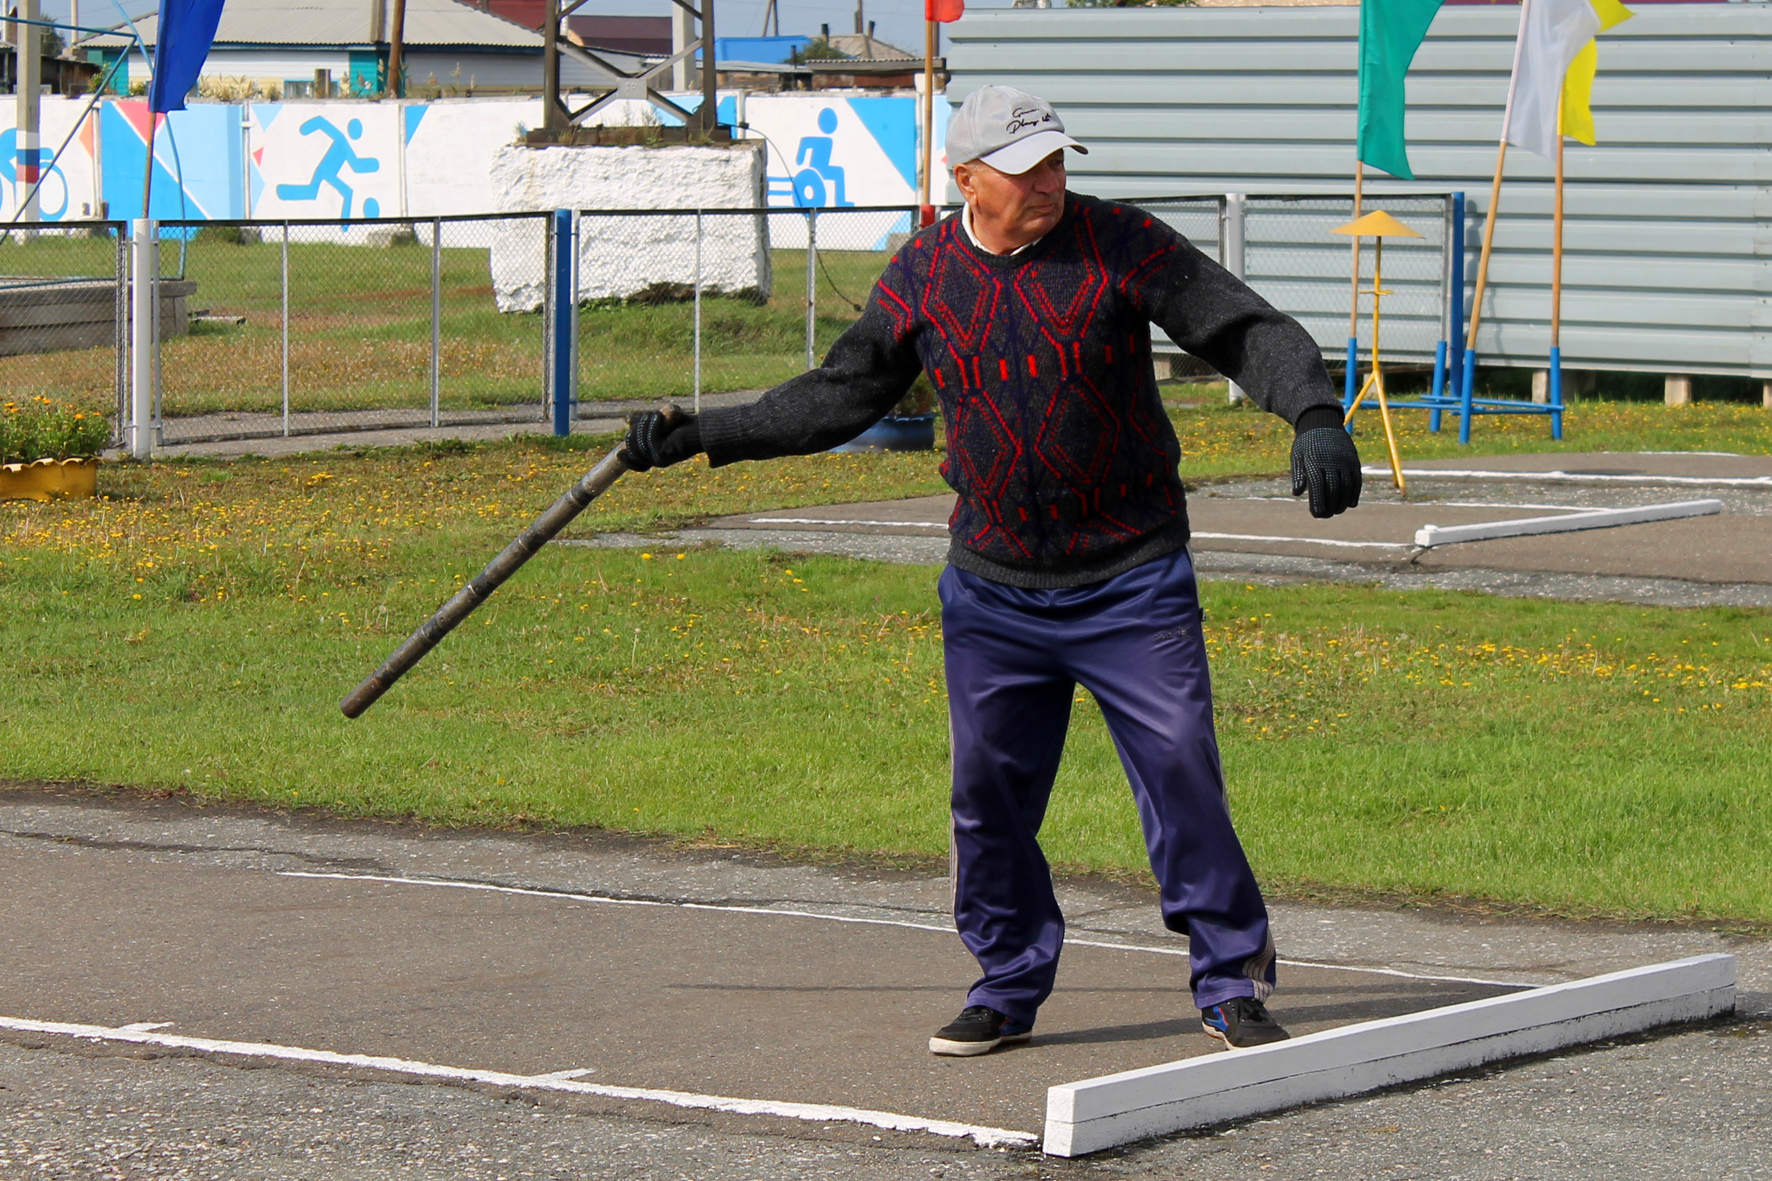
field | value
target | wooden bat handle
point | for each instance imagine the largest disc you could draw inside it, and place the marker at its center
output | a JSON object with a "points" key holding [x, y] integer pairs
{"points": [[461, 604]]}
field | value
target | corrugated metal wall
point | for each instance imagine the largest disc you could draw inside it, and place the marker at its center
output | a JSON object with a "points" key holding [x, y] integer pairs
{"points": [[1666, 243]]}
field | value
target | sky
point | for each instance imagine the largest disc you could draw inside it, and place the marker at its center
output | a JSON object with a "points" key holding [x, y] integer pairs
{"points": [[898, 22]]}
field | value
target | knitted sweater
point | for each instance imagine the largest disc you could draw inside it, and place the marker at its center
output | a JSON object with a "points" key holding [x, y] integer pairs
{"points": [[1057, 441]]}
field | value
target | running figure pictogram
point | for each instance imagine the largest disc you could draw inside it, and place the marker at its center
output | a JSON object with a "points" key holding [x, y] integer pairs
{"points": [[338, 157]]}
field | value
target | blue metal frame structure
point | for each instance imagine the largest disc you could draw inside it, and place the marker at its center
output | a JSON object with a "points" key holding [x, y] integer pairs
{"points": [[1455, 366]]}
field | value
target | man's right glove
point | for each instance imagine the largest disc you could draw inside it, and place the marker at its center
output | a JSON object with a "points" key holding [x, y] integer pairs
{"points": [[1325, 462], [654, 441]]}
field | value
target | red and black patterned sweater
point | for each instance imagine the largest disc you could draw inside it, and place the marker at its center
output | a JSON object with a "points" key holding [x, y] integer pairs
{"points": [[1057, 442]]}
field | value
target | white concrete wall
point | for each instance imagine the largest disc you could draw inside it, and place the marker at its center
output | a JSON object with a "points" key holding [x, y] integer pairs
{"points": [[621, 257]]}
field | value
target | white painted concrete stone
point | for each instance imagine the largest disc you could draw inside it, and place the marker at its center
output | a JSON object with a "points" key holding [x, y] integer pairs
{"points": [[623, 257], [1100, 1113]]}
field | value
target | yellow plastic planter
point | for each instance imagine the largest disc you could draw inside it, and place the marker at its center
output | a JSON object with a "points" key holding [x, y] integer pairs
{"points": [[49, 479]]}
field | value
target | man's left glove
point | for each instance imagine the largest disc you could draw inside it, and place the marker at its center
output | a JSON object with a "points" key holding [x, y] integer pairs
{"points": [[1325, 463], [654, 441]]}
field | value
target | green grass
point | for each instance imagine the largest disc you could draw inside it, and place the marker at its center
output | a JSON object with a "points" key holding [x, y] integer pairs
{"points": [[1577, 758]]}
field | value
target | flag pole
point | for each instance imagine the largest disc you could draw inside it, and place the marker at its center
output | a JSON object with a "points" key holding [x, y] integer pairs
{"points": [[926, 211], [1555, 377], [1470, 341], [1353, 307]]}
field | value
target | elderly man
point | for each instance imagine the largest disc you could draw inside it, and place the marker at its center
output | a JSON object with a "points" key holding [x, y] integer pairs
{"points": [[1031, 313]]}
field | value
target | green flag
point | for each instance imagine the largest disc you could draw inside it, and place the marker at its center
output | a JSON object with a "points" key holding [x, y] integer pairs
{"points": [[1390, 33]]}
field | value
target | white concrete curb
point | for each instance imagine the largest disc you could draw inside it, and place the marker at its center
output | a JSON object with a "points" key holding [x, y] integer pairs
{"points": [[1429, 536], [1100, 1113]]}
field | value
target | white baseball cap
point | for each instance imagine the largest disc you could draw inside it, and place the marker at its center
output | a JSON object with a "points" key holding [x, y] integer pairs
{"points": [[1009, 129]]}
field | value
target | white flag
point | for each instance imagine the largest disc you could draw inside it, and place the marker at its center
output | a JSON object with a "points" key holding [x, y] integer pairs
{"points": [[1552, 32]]}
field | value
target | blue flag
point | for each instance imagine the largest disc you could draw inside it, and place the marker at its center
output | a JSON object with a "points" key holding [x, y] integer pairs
{"points": [[181, 46]]}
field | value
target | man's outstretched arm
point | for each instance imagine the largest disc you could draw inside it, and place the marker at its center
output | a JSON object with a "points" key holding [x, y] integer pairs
{"points": [[1215, 316], [867, 371]]}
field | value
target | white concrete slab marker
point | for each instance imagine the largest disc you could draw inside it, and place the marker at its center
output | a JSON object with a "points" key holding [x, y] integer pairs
{"points": [[1100, 1113], [1429, 536]]}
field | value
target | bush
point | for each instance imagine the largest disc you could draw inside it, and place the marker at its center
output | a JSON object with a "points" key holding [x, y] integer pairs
{"points": [[37, 428]]}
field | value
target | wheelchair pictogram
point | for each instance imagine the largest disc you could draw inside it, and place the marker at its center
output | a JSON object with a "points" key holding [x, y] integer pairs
{"points": [[817, 183]]}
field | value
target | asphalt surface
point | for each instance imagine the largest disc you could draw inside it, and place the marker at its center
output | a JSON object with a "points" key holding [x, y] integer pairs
{"points": [[1256, 530], [126, 910]]}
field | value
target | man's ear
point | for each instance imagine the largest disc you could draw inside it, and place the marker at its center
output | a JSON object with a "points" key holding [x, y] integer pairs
{"points": [[963, 181]]}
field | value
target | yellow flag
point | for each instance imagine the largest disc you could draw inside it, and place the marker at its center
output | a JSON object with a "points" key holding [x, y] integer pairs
{"points": [[1578, 83]]}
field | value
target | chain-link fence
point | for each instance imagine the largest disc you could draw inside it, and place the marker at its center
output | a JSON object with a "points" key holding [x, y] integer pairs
{"points": [[682, 304], [301, 328], [296, 328], [63, 315], [1301, 267], [1285, 248]]}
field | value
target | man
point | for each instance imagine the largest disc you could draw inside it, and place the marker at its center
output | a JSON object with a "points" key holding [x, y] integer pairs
{"points": [[1031, 313]]}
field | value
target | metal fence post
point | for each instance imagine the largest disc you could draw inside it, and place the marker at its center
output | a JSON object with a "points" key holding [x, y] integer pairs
{"points": [[698, 311], [120, 318], [141, 339], [562, 274], [547, 318], [285, 330], [1234, 204], [811, 282], [154, 354], [436, 315]]}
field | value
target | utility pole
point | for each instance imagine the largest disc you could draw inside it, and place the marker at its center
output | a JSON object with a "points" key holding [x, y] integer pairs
{"points": [[552, 112], [710, 70], [396, 52], [28, 43]]}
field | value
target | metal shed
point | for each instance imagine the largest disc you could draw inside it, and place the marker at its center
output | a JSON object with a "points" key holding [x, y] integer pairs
{"points": [[1667, 235]]}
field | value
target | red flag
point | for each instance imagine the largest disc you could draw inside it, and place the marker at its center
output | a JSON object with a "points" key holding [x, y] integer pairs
{"points": [[943, 10]]}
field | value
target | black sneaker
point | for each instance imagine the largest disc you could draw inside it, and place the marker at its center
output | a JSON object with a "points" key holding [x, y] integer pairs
{"points": [[1242, 1022], [978, 1029]]}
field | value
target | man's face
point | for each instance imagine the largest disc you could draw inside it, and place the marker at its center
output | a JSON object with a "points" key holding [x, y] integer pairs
{"points": [[1009, 211]]}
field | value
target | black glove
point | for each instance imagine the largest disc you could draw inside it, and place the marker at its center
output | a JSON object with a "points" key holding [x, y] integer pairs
{"points": [[654, 441], [1325, 462]]}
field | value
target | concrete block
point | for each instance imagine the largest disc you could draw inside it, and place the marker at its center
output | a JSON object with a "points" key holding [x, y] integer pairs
{"points": [[633, 257], [1676, 390]]}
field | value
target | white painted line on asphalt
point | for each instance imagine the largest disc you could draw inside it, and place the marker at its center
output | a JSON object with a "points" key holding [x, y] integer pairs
{"points": [[985, 1137], [1429, 536], [565, 896], [833, 521], [1301, 540], [1562, 477], [1100, 1113], [1299, 500]]}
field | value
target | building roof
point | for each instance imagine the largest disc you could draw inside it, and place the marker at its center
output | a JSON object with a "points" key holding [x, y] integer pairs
{"points": [[869, 48], [344, 22]]}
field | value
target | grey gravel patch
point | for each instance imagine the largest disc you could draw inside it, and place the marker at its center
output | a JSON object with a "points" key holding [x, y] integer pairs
{"points": [[1427, 490], [76, 1113], [1267, 569], [1276, 569]]}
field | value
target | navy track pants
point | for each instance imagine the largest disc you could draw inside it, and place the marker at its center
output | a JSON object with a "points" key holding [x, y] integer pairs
{"points": [[1014, 659]]}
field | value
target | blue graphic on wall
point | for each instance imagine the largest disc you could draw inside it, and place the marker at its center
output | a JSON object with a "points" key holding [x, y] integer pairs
{"points": [[197, 161], [818, 184], [329, 171], [52, 193]]}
